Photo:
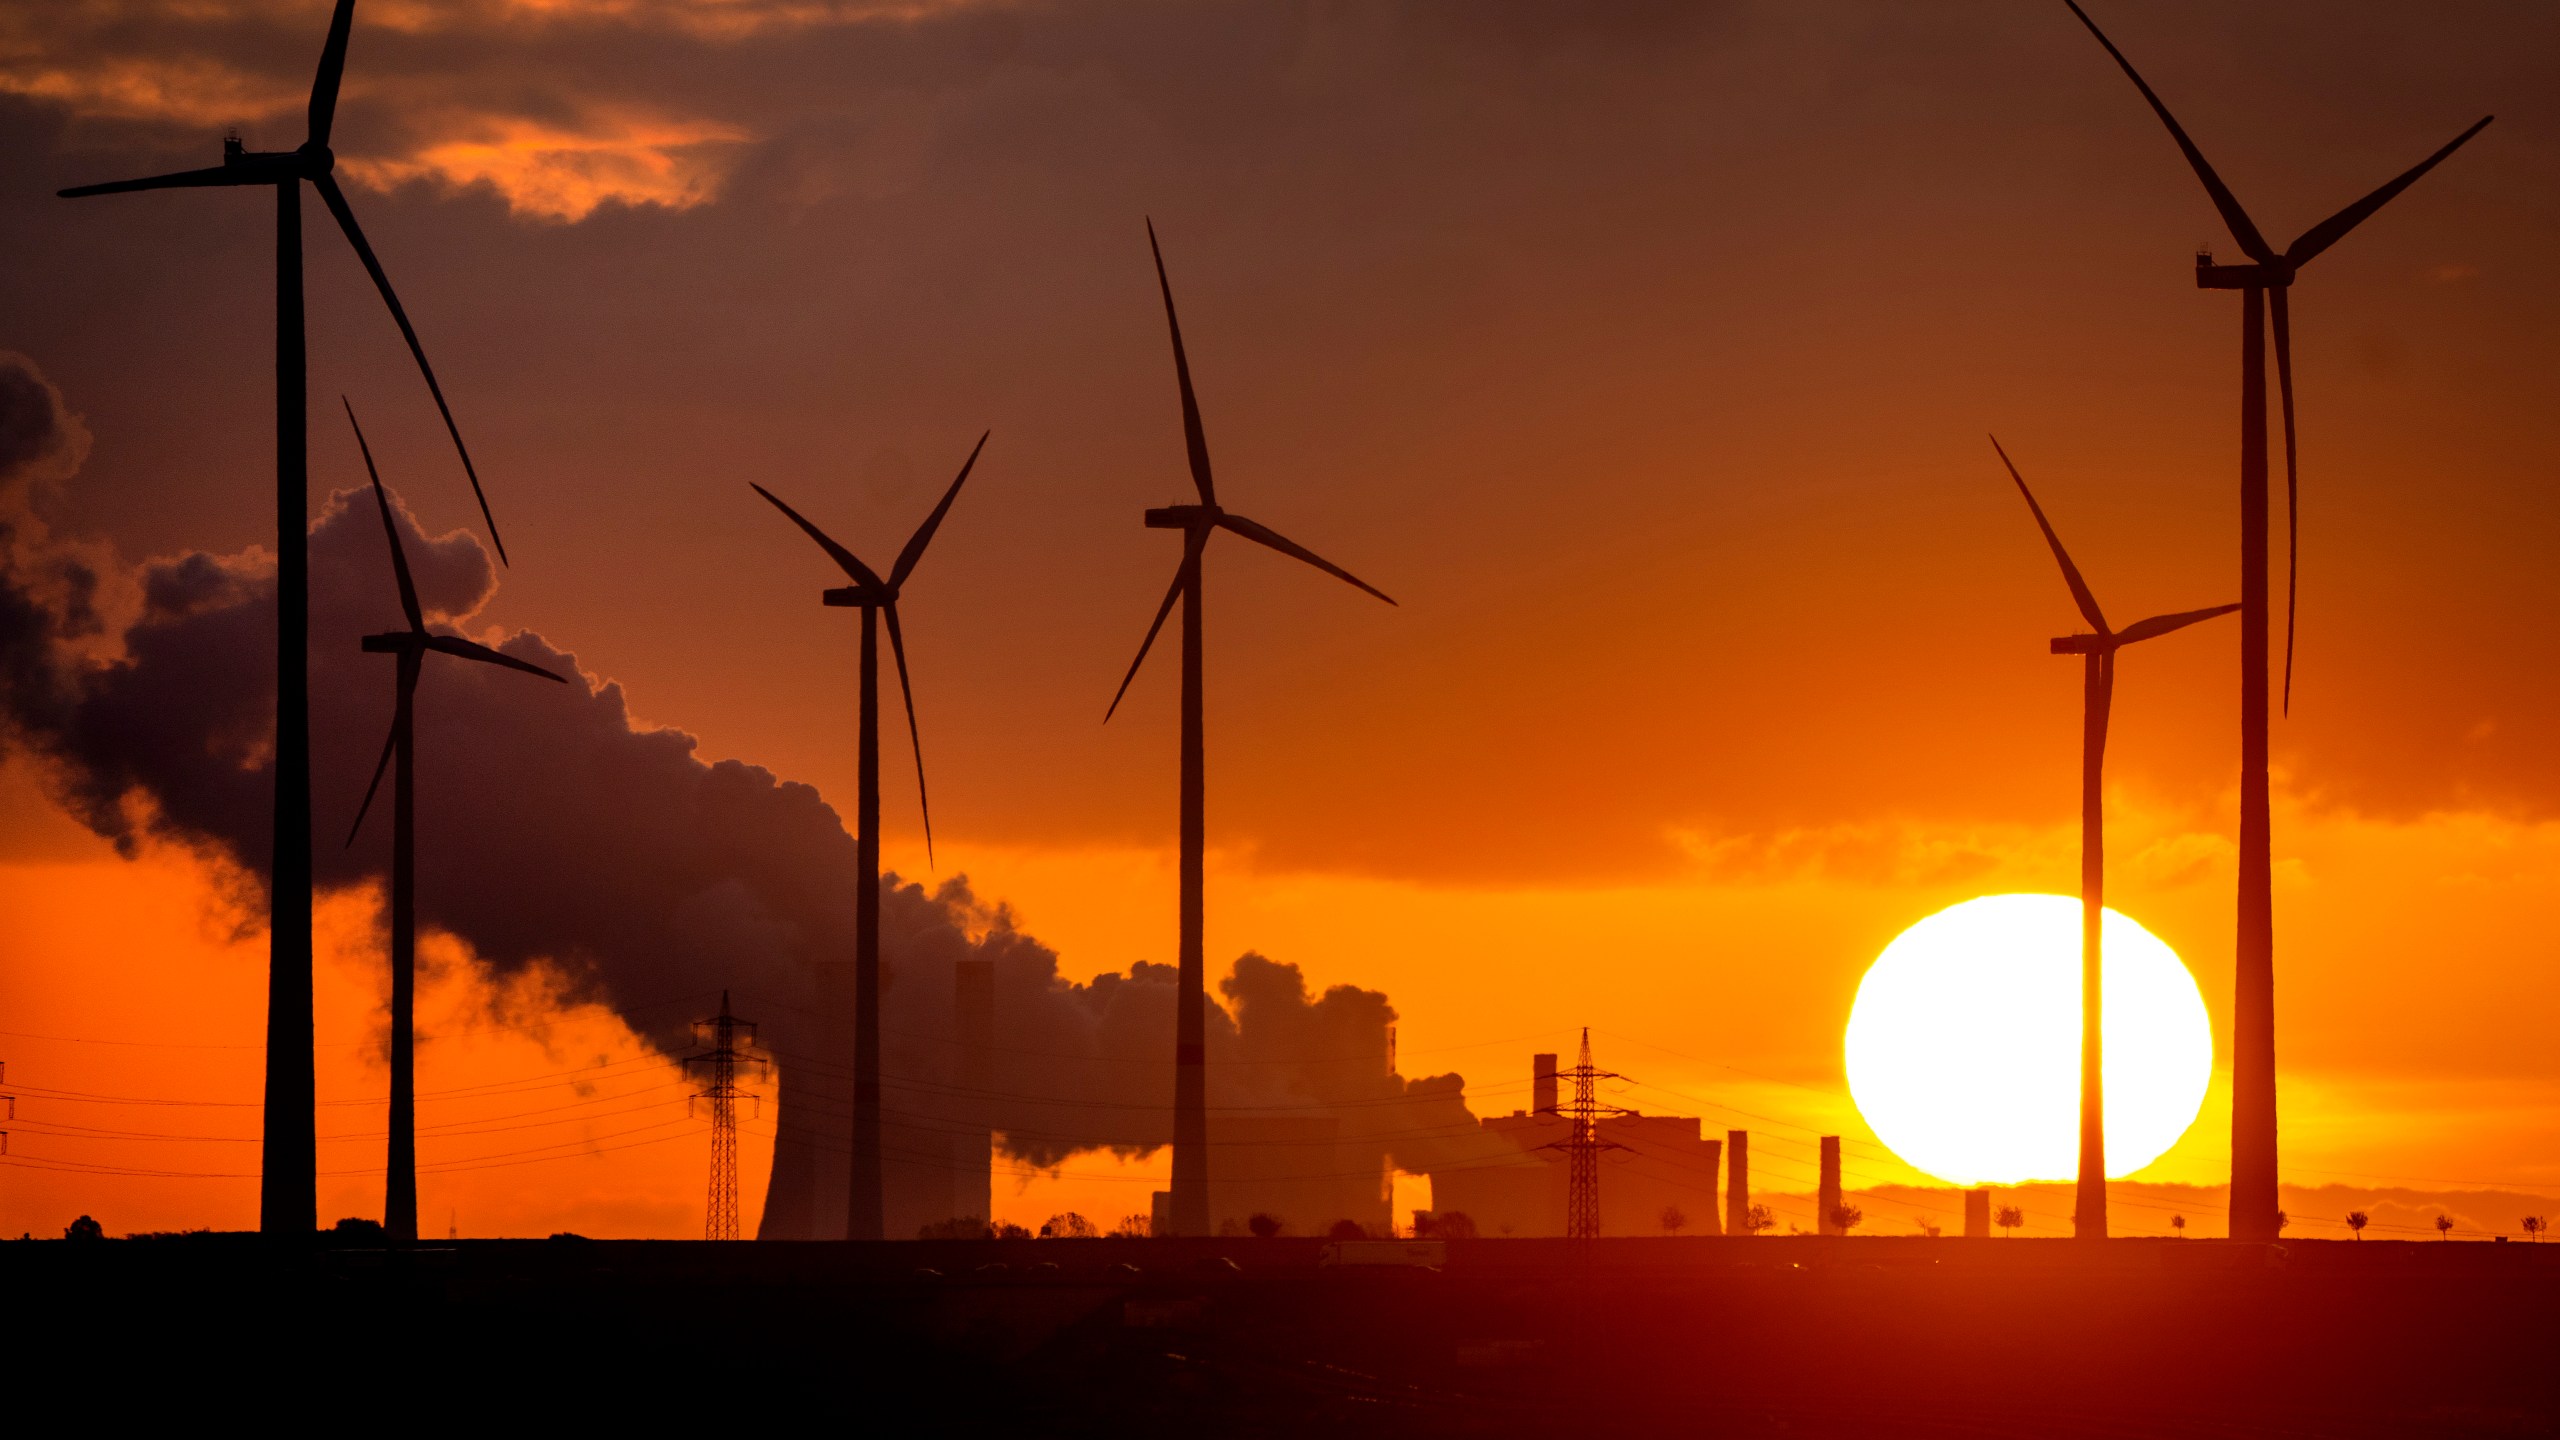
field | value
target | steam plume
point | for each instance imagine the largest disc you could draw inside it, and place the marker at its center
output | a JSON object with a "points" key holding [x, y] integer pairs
{"points": [[558, 831]]}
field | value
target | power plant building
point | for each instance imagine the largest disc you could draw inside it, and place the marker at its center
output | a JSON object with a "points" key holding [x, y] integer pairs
{"points": [[1296, 1169], [1659, 1164]]}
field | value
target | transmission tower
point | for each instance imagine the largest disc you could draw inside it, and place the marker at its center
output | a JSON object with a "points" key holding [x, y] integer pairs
{"points": [[1582, 1145], [720, 1220]]}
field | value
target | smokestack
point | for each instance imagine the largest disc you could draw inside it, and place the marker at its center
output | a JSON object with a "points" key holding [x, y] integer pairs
{"points": [[1737, 1182], [1830, 1199], [1977, 1213], [1542, 1084], [973, 1012]]}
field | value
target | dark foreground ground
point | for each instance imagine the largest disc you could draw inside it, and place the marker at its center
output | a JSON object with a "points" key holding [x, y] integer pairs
{"points": [[1761, 1337]]}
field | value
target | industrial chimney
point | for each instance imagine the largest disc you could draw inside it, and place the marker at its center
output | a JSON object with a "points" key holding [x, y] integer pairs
{"points": [[973, 1008], [1977, 1213], [1830, 1198], [1737, 1182], [1542, 1084]]}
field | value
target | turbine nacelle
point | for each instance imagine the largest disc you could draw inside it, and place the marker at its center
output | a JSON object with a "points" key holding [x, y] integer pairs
{"points": [[2273, 272], [1183, 517], [870, 591], [1196, 521], [2271, 275], [314, 161], [2107, 640]]}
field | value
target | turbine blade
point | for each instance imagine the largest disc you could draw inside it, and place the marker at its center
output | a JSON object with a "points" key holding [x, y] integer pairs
{"points": [[399, 555], [845, 561], [914, 552], [181, 180], [456, 646], [1265, 535], [388, 742], [2159, 625], [1193, 438], [915, 738], [336, 200], [2330, 231], [2080, 595], [1193, 541], [333, 64], [2282, 315], [2233, 217]]}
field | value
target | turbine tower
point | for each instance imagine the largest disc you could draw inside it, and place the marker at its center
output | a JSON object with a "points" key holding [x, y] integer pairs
{"points": [[877, 599], [2264, 284], [287, 1195], [2097, 652], [400, 1189], [1190, 1195]]}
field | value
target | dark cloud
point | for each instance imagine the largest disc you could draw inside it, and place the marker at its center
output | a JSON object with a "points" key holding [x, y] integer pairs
{"points": [[40, 439], [1694, 312], [553, 827]]}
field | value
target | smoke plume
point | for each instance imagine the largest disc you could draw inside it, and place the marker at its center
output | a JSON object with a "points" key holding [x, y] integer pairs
{"points": [[553, 829]]}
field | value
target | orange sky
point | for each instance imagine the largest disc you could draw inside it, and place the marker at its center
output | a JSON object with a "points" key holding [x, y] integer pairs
{"points": [[1645, 359]]}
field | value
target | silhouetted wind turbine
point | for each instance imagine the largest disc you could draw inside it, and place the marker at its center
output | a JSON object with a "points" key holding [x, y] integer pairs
{"points": [[2262, 283], [2097, 652], [287, 1199], [1190, 1195], [876, 599], [399, 750]]}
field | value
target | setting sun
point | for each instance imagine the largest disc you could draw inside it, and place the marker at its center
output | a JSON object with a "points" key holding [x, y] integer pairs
{"points": [[1964, 1044]]}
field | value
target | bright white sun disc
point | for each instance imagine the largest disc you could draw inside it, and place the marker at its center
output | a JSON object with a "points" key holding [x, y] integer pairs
{"points": [[1964, 1044]]}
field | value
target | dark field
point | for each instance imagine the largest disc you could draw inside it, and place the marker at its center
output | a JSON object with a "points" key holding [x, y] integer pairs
{"points": [[1769, 1336]]}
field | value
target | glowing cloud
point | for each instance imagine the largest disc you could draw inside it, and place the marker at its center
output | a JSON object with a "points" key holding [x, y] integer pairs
{"points": [[183, 91], [551, 173]]}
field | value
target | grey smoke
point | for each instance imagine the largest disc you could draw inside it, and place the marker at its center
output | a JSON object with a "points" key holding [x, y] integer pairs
{"points": [[554, 828]]}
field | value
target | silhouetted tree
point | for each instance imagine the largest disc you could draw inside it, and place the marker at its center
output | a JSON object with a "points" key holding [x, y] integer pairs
{"points": [[1845, 1218], [1069, 1226], [2535, 1227], [1346, 1230], [1263, 1226], [2008, 1218], [1010, 1231], [2179, 1224], [357, 1230], [1134, 1227], [1759, 1218], [2282, 1220], [1672, 1219], [959, 1227], [2356, 1221], [84, 1228], [2444, 1227], [1928, 1228], [1443, 1225]]}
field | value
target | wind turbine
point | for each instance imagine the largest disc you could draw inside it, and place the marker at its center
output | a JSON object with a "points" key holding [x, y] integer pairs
{"points": [[2263, 284], [2097, 652], [287, 1197], [877, 599], [1190, 1077], [400, 1192]]}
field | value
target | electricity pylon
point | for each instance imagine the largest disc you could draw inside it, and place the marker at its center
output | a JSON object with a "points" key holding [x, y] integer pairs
{"points": [[720, 1218], [1582, 1144]]}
